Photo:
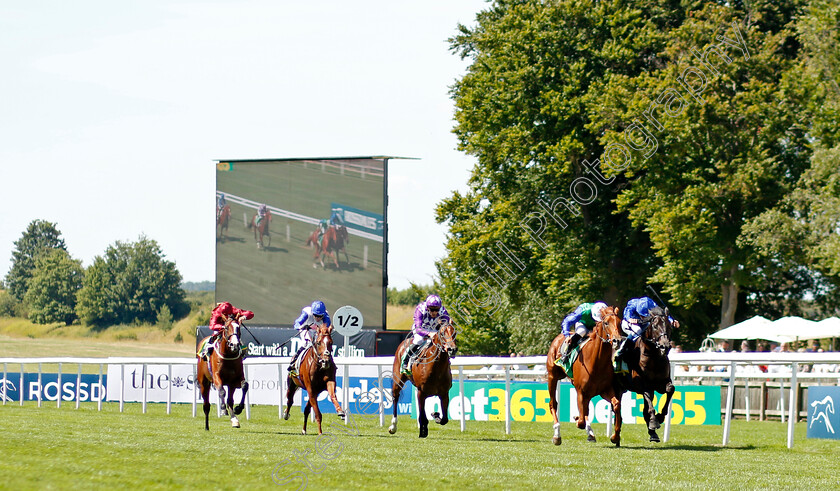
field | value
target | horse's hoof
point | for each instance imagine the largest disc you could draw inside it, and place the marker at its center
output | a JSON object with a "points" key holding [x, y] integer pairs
{"points": [[557, 440], [392, 429], [653, 425], [654, 437], [314, 266], [238, 409], [286, 416], [424, 432], [342, 415], [302, 432], [234, 423], [591, 438]]}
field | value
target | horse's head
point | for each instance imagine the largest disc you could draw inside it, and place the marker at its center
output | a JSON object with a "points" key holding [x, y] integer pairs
{"points": [[610, 325], [446, 339], [658, 332], [323, 346], [342, 233], [230, 342]]}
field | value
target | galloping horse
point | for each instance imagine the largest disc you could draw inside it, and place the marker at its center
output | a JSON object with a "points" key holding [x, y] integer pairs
{"points": [[650, 368], [223, 369], [222, 221], [332, 243], [316, 374], [592, 374], [261, 233], [431, 375]]}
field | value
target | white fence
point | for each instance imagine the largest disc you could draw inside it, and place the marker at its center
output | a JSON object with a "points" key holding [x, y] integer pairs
{"points": [[465, 367]]}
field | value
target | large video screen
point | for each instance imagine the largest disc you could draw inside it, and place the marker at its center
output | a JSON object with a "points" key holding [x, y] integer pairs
{"points": [[280, 262]]}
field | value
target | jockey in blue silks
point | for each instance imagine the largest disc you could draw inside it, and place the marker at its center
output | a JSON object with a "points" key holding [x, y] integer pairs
{"points": [[583, 319], [635, 320], [312, 315], [220, 205], [335, 218]]}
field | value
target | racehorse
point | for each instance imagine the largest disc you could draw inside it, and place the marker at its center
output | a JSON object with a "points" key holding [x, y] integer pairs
{"points": [[431, 375], [222, 221], [650, 368], [261, 233], [592, 374], [316, 374], [334, 241], [223, 369]]}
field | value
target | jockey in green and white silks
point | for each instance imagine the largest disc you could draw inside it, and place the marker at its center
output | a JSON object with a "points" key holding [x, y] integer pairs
{"points": [[583, 319], [261, 212]]}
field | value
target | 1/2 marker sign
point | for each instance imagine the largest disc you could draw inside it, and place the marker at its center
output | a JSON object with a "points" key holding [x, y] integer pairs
{"points": [[348, 321]]}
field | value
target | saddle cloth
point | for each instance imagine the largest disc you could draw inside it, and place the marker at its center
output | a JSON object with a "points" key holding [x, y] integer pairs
{"points": [[300, 358]]}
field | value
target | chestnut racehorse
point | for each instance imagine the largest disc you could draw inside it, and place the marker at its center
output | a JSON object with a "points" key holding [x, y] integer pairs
{"points": [[223, 369], [261, 233], [650, 368], [334, 241], [592, 374], [431, 375], [316, 374], [223, 220]]}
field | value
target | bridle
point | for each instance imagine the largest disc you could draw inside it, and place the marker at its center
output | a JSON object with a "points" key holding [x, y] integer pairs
{"points": [[230, 340], [603, 331], [658, 333], [323, 339]]}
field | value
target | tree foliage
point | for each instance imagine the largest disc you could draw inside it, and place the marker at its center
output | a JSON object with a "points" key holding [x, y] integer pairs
{"points": [[609, 157], [51, 296], [131, 283], [39, 238]]}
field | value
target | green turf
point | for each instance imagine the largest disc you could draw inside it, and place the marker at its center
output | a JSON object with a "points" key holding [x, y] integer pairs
{"points": [[275, 282], [49, 448]]}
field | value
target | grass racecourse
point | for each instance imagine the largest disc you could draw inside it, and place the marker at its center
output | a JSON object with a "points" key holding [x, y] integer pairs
{"points": [[62, 448]]}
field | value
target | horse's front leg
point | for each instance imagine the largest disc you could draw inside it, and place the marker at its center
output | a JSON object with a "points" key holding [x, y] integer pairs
{"points": [[669, 393], [649, 413], [444, 407], [615, 401], [291, 388], [422, 419], [313, 401], [222, 396], [234, 421], [334, 399], [239, 407], [306, 411], [583, 416]]}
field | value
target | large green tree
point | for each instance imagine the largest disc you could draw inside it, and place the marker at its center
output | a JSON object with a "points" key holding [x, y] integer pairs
{"points": [[51, 296], [622, 143], [131, 283], [39, 238]]}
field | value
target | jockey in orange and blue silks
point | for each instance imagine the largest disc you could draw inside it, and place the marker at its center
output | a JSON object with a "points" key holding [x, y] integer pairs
{"points": [[310, 316], [636, 318], [429, 316], [582, 320]]}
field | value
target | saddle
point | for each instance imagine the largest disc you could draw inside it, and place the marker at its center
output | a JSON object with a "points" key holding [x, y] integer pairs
{"points": [[567, 367], [300, 358]]}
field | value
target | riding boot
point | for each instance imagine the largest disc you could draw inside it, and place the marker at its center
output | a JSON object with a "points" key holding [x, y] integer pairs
{"points": [[291, 369], [569, 346], [623, 349], [408, 359]]}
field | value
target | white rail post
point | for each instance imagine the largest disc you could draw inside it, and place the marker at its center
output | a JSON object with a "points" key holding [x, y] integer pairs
{"points": [[169, 388], [747, 396], [793, 413], [58, 398], [461, 395], [143, 383], [40, 384], [730, 400], [78, 385], [101, 394], [20, 392], [507, 399], [122, 386], [381, 396], [668, 417], [288, 233], [281, 379]]}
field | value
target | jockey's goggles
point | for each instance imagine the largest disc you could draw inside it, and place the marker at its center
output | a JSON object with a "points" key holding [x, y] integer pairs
{"points": [[434, 309]]}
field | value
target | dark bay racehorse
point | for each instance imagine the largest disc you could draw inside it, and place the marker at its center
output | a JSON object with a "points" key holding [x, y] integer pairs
{"points": [[431, 375], [334, 241], [223, 369], [223, 220], [592, 374], [316, 374], [650, 368], [261, 232]]}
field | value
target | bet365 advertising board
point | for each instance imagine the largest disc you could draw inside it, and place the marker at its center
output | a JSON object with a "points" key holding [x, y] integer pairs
{"points": [[529, 401]]}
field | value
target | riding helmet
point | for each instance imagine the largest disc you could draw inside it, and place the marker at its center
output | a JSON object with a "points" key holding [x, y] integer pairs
{"points": [[318, 308]]}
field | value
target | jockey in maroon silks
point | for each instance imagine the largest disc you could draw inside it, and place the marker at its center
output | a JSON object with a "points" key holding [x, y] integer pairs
{"points": [[223, 312]]}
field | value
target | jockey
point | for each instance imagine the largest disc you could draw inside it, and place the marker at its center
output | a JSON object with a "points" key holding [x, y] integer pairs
{"points": [[583, 319], [262, 211], [220, 205], [335, 218], [635, 320], [315, 314], [322, 229], [223, 312], [428, 317]]}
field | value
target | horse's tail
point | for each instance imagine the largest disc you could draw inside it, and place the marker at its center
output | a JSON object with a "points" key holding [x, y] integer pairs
{"points": [[251, 223]]}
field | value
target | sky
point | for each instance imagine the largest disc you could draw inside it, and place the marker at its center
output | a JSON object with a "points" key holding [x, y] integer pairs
{"points": [[114, 113]]}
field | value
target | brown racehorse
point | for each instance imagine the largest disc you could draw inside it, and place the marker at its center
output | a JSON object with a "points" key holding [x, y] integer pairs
{"points": [[650, 368], [225, 370], [261, 233], [431, 375], [593, 374], [222, 221], [333, 242], [316, 374]]}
